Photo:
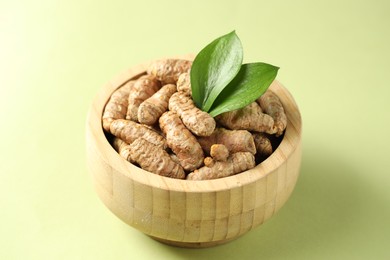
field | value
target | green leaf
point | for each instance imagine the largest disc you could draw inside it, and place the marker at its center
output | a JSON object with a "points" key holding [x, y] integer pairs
{"points": [[214, 67], [250, 83]]}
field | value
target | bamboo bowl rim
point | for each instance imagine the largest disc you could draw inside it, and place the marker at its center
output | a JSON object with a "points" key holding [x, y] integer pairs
{"points": [[287, 146]]}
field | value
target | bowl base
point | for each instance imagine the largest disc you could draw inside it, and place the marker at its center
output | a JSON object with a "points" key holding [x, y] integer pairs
{"points": [[193, 244]]}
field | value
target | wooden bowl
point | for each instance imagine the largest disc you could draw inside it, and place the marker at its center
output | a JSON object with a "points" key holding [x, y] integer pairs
{"points": [[192, 213]]}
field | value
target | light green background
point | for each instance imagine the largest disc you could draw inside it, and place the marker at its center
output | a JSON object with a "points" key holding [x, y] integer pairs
{"points": [[334, 58]]}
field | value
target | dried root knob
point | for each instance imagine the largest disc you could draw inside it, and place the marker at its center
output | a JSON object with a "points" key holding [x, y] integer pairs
{"points": [[197, 121], [122, 148], [152, 108], [271, 105], [242, 161], [234, 140], [250, 118], [184, 84], [181, 141], [263, 144], [236, 163], [154, 159], [143, 89], [169, 70], [129, 131], [208, 162], [116, 107], [219, 152]]}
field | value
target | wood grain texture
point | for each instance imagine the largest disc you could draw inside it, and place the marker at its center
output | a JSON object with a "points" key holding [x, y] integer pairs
{"points": [[192, 213]]}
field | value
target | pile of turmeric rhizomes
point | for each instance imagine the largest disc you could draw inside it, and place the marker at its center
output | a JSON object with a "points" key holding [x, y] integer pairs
{"points": [[156, 125]]}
